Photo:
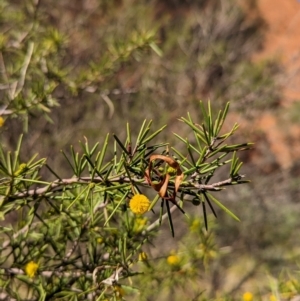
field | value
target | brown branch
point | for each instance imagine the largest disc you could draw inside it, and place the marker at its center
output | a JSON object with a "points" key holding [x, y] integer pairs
{"points": [[215, 186], [75, 274], [47, 274], [59, 184]]}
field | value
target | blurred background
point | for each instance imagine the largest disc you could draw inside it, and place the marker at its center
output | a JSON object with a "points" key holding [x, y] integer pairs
{"points": [[107, 62]]}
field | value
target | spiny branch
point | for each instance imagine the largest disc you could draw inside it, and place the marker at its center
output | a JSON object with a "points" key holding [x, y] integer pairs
{"points": [[58, 185]]}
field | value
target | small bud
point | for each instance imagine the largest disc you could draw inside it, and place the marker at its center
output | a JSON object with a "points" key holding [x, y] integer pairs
{"points": [[143, 256], [22, 168], [196, 201]]}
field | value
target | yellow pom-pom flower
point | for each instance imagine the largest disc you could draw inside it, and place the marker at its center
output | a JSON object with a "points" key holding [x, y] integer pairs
{"points": [[1, 121], [31, 269], [247, 296], [139, 204], [273, 298], [173, 259]]}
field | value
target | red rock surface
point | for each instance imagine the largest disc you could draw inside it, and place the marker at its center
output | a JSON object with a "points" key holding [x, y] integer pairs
{"points": [[282, 41]]}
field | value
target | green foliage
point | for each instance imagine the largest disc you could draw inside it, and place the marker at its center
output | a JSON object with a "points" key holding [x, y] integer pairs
{"points": [[88, 67], [32, 61], [80, 232]]}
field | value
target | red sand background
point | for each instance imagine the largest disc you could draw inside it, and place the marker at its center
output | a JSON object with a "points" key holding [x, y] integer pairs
{"points": [[282, 41]]}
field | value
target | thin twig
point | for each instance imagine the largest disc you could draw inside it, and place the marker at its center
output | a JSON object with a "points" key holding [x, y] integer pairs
{"points": [[157, 222], [59, 184], [109, 103], [48, 274], [27, 60]]}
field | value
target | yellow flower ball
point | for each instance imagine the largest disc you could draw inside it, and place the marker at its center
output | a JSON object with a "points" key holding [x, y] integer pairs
{"points": [[173, 260], [1, 121], [273, 297], [139, 204], [248, 296], [31, 269]]}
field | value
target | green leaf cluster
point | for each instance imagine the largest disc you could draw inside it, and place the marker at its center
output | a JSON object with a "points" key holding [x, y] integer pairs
{"points": [[80, 230]]}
